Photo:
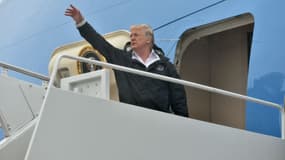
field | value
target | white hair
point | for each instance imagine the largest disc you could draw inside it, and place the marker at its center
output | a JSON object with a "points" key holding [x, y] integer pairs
{"points": [[148, 31]]}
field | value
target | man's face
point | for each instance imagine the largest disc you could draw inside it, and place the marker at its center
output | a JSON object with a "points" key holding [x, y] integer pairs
{"points": [[138, 38]]}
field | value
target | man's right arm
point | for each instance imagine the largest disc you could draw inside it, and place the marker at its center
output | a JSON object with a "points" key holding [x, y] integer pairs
{"points": [[97, 41], [89, 34]]}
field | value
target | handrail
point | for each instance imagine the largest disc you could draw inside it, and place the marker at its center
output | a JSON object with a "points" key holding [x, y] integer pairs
{"points": [[283, 123], [147, 74], [3, 121], [24, 71], [170, 79]]}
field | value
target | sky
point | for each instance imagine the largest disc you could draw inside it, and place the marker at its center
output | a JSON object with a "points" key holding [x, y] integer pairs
{"points": [[30, 39]]}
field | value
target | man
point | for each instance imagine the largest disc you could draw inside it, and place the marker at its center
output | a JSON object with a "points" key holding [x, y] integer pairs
{"points": [[134, 89]]}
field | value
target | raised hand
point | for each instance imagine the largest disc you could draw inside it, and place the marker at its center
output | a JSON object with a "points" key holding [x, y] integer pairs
{"points": [[74, 13]]}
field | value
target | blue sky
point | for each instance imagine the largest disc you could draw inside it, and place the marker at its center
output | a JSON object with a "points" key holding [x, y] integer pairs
{"points": [[37, 27]]}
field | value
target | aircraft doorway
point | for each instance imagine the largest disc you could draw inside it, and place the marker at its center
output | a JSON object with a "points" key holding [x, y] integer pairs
{"points": [[217, 55]]}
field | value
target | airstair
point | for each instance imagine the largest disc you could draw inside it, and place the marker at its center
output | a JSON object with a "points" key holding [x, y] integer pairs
{"points": [[49, 123]]}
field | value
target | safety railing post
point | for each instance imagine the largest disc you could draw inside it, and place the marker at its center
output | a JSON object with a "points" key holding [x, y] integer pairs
{"points": [[283, 121]]}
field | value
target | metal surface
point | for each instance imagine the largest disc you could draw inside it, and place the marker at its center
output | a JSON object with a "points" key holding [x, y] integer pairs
{"points": [[34, 95], [95, 84], [20, 103], [76, 127], [53, 75], [15, 146], [283, 122], [14, 106], [19, 106]]}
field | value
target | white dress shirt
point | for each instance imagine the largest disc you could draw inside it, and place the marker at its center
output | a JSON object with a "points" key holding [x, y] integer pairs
{"points": [[153, 57]]}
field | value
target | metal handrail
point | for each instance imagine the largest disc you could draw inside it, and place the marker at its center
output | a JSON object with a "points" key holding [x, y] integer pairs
{"points": [[164, 78], [24, 71], [3, 122], [170, 79], [147, 74]]}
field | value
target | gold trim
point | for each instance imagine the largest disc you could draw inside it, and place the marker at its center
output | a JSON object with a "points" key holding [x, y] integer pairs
{"points": [[89, 49]]}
